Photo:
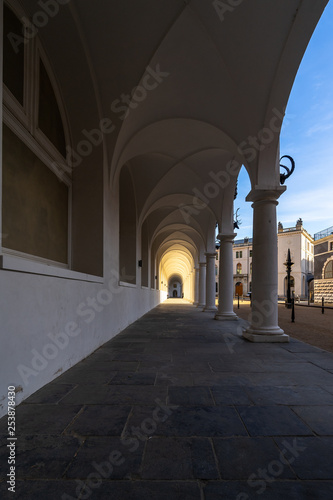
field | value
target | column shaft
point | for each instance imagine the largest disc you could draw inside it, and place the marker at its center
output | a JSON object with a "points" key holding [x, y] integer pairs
{"points": [[226, 305], [210, 282], [264, 317], [202, 284], [196, 286]]}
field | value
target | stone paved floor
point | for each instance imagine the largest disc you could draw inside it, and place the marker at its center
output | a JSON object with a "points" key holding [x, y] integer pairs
{"points": [[180, 407]]}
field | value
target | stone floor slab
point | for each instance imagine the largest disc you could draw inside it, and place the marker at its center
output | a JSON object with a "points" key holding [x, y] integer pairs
{"points": [[47, 489], [189, 396], [310, 457], [110, 457], [318, 418], [147, 490], [45, 396], [291, 396], [231, 395], [100, 420], [272, 421], [175, 458], [243, 457], [276, 490], [134, 378], [188, 421], [175, 378], [44, 419]]}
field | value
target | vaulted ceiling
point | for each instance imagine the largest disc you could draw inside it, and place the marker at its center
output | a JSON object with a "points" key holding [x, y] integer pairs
{"points": [[224, 74]]}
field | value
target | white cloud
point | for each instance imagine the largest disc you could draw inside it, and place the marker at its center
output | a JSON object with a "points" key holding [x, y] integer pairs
{"points": [[319, 127]]}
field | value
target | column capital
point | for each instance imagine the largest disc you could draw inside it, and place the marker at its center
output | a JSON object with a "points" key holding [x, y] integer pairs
{"points": [[227, 237], [202, 264], [210, 254], [268, 194]]}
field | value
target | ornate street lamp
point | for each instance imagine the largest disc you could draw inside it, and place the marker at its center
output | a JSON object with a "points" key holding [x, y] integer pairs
{"points": [[289, 171], [288, 265]]}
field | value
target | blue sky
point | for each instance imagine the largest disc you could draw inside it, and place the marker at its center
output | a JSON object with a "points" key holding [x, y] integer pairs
{"points": [[307, 136]]}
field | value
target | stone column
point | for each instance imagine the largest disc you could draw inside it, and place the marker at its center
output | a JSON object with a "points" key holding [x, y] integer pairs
{"points": [[202, 284], [196, 286], [192, 285], [210, 282], [226, 302], [264, 317]]}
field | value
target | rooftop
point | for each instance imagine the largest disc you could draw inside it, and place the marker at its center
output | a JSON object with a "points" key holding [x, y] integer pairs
{"points": [[244, 241], [323, 234]]}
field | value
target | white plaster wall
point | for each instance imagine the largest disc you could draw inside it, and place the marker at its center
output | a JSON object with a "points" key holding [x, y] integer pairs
{"points": [[290, 240], [36, 307], [300, 255]]}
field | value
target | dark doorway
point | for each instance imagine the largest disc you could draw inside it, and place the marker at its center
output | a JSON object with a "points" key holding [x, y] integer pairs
{"points": [[239, 289]]}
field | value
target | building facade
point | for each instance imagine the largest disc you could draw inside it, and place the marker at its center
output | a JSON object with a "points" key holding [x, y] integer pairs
{"points": [[323, 266], [242, 267], [301, 245]]}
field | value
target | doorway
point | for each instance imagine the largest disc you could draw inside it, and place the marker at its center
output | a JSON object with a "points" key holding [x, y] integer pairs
{"points": [[239, 289]]}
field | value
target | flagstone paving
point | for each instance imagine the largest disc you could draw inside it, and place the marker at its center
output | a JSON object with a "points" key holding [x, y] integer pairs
{"points": [[179, 407]]}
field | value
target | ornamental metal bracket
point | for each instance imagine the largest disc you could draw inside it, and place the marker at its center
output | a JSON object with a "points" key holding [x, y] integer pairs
{"points": [[289, 171], [237, 221]]}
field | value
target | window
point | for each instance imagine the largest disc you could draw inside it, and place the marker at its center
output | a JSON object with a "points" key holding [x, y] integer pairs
{"points": [[331, 246], [251, 268], [36, 185], [328, 271], [49, 117], [35, 203], [239, 269], [250, 253], [237, 255], [13, 55], [240, 254]]}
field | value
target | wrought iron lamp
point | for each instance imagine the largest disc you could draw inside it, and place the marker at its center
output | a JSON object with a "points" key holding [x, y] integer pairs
{"points": [[288, 265]]}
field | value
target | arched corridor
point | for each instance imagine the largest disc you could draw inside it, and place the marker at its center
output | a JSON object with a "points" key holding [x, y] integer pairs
{"points": [[125, 125]]}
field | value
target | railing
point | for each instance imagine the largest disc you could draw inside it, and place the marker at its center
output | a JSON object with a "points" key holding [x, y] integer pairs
{"points": [[323, 234]]}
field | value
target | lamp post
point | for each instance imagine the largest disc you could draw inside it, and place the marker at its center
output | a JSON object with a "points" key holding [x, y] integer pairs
{"points": [[288, 265]]}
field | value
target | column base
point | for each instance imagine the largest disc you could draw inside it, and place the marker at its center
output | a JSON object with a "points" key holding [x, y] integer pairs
{"points": [[196, 304], [226, 316], [209, 309], [266, 335]]}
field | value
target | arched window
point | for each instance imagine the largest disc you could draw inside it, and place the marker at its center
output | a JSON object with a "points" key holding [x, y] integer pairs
{"points": [[36, 176], [127, 228], [328, 272], [239, 269]]}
